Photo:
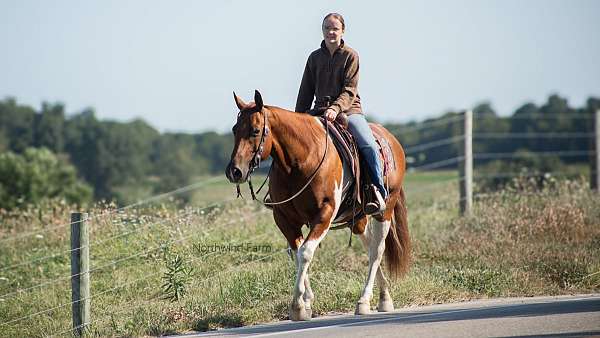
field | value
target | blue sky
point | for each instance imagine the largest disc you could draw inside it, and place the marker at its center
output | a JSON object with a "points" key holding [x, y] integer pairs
{"points": [[175, 63]]}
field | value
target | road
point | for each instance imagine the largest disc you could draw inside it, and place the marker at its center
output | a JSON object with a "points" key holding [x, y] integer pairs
{"points": [[564, 316]]}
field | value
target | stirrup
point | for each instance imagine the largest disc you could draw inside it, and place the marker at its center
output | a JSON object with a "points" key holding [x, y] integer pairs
{"points": [[377, 206]]}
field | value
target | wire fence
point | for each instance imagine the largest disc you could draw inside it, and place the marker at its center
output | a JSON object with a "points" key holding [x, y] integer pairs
{"points": [[446, 121], [545, 116], [445, 196], [146, 226], [433, 144], [532, 135], [103, 267], [155, 198]]}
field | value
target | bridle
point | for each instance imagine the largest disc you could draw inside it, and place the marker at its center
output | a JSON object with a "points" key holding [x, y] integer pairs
{"points": [[256, 157], [255, 163]]}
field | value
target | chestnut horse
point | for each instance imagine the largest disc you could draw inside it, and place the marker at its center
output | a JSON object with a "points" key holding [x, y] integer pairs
{"points": [[298, 144]]}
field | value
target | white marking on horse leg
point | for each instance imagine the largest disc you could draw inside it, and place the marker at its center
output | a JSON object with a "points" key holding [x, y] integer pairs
{"points": [[384, 286], [385, 303], [376, 246], [301, 310], [304, 257], [308, 296]]}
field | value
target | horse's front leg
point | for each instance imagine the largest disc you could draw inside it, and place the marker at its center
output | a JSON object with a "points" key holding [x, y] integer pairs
{"points": [[308, 295], [301, 308], [293, 234]]}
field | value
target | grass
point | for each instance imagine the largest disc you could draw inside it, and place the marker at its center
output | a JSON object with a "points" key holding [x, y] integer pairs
{"points": [[518, 242]]}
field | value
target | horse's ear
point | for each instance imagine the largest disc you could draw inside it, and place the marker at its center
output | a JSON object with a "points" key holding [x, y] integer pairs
{"points": [[258, 100], [238, 102]]}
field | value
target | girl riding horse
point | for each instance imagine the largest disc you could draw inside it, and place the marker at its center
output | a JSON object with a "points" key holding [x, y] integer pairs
{"points": [[306, 181], [331, 75]]}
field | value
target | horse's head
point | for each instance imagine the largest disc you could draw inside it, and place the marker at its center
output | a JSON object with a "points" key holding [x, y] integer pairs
{"points": [[253, 139]]}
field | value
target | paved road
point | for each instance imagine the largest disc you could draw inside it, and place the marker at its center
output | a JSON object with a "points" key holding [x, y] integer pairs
{"points": [[565, 316]]}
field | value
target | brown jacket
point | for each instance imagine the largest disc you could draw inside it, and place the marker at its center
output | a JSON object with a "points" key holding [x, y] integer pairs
{"points": [[331, 75]]}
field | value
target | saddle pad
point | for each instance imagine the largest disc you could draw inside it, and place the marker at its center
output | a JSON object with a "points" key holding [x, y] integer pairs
{"points": [[385, 151]]}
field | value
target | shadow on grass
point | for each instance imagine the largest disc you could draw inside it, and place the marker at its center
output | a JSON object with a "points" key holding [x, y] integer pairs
{"points": [[218, 321]]}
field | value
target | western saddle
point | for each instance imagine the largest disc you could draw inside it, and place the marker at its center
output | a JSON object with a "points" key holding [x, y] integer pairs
{"points": [[353, 201]]}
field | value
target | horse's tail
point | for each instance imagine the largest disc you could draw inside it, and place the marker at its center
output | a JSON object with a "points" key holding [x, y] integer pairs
{"points": [[397, 242]]}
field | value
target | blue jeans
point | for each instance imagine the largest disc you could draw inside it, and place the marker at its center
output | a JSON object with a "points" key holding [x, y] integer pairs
{"points": [[367, 146]]}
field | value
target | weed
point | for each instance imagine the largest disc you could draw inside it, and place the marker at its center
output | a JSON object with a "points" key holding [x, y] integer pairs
{"points": [[176, 278]]}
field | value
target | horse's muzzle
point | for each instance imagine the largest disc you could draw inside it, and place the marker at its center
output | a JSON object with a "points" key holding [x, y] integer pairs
{"points": [[234, 174]]}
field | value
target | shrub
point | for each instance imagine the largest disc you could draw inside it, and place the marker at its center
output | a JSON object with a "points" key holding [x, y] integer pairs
{"points": [[37, 175]]}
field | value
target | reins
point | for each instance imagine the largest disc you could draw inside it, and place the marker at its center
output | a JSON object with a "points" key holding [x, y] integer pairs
{"points": [[255, 162]]}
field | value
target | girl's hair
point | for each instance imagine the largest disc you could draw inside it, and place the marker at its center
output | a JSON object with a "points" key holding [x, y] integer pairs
{"points": [[336, 16]]}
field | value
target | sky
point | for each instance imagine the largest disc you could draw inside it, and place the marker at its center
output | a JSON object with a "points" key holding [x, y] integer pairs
{"points": [[176, 63]]}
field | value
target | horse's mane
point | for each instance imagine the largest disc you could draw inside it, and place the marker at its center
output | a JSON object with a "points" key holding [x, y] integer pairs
{"points": [[300, 125]]}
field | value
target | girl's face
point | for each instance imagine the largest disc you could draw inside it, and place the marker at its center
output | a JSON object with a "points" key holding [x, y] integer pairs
{"points": [[332, 30]]}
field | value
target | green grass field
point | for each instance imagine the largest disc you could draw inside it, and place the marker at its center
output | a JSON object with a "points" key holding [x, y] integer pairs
{"points": [[517, 243]]}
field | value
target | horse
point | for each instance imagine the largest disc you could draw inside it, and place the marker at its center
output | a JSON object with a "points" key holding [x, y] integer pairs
{"points": [[303, 169]]}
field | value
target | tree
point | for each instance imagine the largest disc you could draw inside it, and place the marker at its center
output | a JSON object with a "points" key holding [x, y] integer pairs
{"points": [[16, 125], [49, 127], [38, 174]]}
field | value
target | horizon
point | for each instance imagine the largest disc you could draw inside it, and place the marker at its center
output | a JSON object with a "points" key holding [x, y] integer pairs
{"points": [[69, 114]]}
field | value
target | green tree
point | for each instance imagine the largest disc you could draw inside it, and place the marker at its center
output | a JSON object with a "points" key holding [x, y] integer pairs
{"points": [[16, 125], [38, 174], [49, 127], [175, 162], [215, 148]]}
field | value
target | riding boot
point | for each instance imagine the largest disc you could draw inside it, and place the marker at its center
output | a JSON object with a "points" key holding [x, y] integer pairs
{"points": [[376, 203]]}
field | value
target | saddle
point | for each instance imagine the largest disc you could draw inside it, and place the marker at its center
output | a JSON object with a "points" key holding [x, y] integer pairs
{"points": [[354, 198]]}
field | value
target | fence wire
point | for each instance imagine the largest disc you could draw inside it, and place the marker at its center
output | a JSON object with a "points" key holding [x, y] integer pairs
{"points": [[432, 123], [154, 274], [115, 211], [532, 135], [565, 153], [105, 266], [433, 144], [139, 228], [114, 262], [437, 164], [545, 116]]}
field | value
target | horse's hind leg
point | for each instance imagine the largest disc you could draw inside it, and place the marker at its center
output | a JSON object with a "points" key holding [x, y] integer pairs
{"points": [[375, 243], [385, 304]]}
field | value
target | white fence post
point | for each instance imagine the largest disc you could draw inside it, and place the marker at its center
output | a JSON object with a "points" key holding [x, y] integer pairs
{"points": [[466, 167], [595, 165], [80, 272]]}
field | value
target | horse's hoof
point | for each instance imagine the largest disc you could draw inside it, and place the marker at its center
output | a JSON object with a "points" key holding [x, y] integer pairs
{"points": [[362, 309], [308, 312], [300, 314], [385, 306]]}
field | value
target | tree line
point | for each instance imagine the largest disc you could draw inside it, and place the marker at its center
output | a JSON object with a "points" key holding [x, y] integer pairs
{"points": [[129, 160]]}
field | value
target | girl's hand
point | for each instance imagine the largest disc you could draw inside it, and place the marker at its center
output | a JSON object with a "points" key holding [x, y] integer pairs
{"points": [[330, 114]]}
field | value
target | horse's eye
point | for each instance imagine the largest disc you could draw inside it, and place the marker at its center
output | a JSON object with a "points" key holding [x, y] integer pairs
{"points": [[255, 132]]}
